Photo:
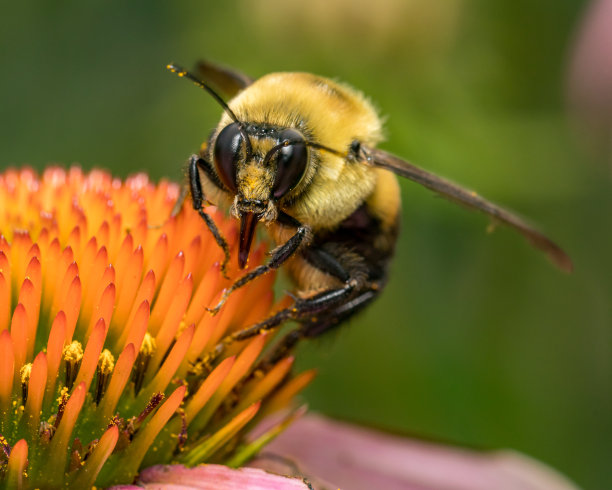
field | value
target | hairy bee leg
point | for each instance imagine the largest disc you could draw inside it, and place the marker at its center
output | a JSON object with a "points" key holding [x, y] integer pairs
{"points": [[336, 316], [324, 323], [205, 167], [315, 304], [279, 256], [197, 198]]}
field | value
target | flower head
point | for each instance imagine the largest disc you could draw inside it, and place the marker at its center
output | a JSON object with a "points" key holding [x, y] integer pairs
{"points": [[103, 321]]}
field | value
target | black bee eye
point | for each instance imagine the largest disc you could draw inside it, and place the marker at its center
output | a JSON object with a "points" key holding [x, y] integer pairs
{"points": [[227, 152], [290, 163]]}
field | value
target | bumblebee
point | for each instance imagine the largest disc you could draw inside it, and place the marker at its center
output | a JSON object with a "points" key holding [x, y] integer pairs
{"points": [[298, 153]]}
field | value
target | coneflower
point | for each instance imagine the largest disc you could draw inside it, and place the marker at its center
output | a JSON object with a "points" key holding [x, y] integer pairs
{"points": [[103, 324]]}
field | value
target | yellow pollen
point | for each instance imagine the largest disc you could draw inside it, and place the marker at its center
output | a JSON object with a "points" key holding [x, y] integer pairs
{"points": [[182, 326], [63, 392], [25, 372], [73, 352], [106, 362], [149, 346]]}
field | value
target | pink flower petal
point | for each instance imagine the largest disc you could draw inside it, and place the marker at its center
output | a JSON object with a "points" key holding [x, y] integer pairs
{"points": [[356, 458], [211, 477], [590, 76]]}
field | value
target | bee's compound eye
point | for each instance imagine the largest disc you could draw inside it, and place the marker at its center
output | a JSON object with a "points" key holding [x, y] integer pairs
{"points": [[228, 150], [291, 162]]}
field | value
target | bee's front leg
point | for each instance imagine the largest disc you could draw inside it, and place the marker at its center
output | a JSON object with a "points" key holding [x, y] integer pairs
{"points": [[278, 257], [197, 200]]}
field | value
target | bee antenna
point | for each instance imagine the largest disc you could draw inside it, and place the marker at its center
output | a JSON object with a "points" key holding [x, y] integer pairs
{"points": [[181, 72]]}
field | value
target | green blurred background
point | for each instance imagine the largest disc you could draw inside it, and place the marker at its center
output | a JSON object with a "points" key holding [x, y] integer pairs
{"points": [[478, 340]]}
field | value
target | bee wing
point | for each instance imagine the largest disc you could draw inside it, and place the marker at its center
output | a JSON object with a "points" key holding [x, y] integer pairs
{"points": [[226, 80], [470, 199]]}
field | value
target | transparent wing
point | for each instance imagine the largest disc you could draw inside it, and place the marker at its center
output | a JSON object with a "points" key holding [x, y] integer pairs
{"points": [[470, 199]]}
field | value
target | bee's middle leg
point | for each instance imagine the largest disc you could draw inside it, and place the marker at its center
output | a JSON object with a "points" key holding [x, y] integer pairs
{"points": [[317, 313]]}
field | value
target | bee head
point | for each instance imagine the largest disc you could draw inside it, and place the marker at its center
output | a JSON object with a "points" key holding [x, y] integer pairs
{"points": [[259, 165], [267, 174]]}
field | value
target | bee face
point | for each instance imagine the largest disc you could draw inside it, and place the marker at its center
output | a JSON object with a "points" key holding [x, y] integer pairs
{"points": [[259, 164]]}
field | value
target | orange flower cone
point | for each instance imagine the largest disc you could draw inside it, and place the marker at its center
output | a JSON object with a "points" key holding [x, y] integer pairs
{"points": [[103, 321]]}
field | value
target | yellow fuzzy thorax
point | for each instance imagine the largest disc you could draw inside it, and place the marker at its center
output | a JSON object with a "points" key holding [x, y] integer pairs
{"points": [[334, 114]]}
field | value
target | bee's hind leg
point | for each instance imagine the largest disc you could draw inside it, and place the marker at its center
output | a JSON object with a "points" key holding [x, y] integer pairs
{"points": [[300, 308], [317, 314], [310, 327]]}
